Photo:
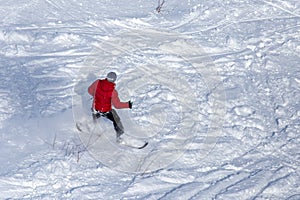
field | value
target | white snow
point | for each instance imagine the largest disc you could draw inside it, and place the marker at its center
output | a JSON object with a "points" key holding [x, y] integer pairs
{"points": [[215, 87]]}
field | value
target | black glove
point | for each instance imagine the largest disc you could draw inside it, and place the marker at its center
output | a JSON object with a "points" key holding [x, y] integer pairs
{"points": [[130, 104]]}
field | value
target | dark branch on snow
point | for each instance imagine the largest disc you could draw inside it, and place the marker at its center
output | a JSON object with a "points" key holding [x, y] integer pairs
{"points": [[160, 4]]}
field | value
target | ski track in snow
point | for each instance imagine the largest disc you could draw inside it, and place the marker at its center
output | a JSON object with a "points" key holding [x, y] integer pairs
{"points": [[47, 45]]}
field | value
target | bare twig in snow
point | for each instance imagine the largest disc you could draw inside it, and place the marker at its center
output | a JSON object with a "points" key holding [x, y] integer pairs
{"points": [[54, 141], [160, 4]]}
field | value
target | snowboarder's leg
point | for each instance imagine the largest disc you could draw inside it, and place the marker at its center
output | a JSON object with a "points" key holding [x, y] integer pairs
{"points": [[118, 121], [95, 115], [114, 117]]}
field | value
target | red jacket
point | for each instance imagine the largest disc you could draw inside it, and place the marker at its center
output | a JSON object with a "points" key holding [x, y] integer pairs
{"points": [[105, 95]]}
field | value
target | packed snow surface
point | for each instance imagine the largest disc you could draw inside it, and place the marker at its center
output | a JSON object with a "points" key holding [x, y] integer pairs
{"points": [[215, 87]]}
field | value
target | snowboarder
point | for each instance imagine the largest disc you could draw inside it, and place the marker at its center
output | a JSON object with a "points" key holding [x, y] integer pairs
{"points": [[104, 97]]}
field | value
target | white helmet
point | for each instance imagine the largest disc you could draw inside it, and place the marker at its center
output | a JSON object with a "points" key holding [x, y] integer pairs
{"points": [[111, 76]]}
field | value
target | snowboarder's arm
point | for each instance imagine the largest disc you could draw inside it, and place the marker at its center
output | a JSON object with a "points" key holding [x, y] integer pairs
{"points": [[116, 101], [92, 88]]}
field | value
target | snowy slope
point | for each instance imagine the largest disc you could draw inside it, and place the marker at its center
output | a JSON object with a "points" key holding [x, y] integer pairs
{"points": [[215, 86]]}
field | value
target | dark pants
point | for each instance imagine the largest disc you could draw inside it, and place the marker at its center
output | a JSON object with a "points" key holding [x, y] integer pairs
{"points": [[114, 117]]}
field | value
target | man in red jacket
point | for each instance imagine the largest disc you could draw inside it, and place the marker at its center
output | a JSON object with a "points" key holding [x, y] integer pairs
{"points": [[104, 97]]}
